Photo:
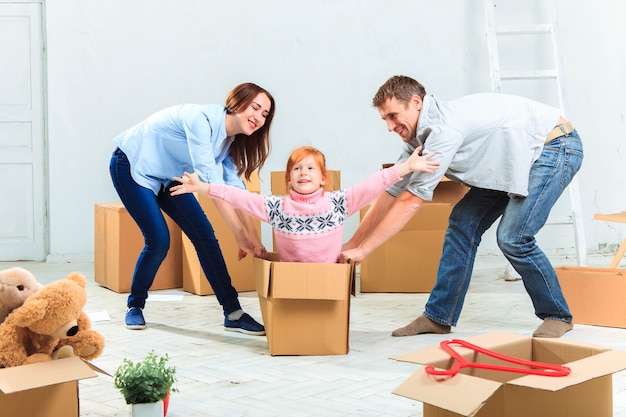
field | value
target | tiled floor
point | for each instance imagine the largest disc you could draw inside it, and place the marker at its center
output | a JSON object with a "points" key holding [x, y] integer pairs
{"points": [[229, 374]]}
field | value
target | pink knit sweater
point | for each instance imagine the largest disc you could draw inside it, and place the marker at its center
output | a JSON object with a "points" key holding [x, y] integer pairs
{"points": [[308, 228]]}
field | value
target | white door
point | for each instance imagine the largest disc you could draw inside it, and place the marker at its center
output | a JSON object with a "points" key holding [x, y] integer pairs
{"points": [[23, 218]]}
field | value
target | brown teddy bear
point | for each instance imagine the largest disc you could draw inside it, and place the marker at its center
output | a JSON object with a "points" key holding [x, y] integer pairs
{"points": [[48, 320], [16, 285]]}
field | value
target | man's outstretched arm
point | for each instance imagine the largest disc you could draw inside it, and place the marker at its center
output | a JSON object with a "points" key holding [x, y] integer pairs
{"points": [[388, 216]]}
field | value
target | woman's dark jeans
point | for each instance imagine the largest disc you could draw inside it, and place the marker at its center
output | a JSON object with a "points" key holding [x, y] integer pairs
{"points": [[145, 208]]}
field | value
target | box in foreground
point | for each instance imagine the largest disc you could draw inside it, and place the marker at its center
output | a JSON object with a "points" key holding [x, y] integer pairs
{"points": [[305, 306], [595, 296], [48, 389], [587, 391]]}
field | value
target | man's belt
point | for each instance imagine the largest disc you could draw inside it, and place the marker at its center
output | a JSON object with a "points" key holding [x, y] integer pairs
{"points": [[560, 130]]}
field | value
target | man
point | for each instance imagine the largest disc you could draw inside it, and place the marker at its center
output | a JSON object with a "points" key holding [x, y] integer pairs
{"points": [[516, 155]]}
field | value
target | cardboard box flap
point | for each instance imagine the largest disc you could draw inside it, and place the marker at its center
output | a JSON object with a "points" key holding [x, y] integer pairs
{"points": [[262, 276], [301, 280], [324, 286], [353, 279], [25, 377], [95, 368], [560, 351], [595, 366], [434, 354], [462, 394]]}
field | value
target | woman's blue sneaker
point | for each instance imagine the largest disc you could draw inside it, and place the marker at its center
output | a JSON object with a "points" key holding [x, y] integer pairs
{"points": [[245, 324], [134, 319]]}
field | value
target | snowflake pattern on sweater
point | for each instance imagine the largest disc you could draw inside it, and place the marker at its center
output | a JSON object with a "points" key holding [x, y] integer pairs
{"points": [[303, 224], [308, 227]]}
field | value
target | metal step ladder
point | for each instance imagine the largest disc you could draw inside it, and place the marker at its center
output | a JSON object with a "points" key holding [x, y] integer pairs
{"points": [[553, 74]]}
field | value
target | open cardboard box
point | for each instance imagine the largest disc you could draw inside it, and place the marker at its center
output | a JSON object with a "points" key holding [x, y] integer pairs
{"points": [[595, 296], [586, 392], [305, 306], [408, 262], [48, 389]]}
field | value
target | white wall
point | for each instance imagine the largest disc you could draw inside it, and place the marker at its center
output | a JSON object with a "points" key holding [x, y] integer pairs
{"points": [[111, 63]]}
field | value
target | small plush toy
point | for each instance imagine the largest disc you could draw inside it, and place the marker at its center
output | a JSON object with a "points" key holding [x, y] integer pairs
{"points": [[50, 319], [16, 285]]}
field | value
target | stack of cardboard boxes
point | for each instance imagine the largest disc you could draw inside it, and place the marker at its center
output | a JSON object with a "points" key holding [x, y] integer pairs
{"points": [[118, 243], [408, 261], [241, 271]]}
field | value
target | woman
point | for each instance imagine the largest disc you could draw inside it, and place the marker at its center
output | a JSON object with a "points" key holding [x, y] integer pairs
{"points": [[218, 142]]}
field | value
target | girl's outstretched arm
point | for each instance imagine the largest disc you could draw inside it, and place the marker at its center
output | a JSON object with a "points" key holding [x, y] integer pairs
{"points": [[417, 162], [239, 222], [190, 184]]}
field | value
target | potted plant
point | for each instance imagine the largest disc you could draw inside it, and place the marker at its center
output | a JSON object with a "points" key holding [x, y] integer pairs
{"points": [[146, 384]]}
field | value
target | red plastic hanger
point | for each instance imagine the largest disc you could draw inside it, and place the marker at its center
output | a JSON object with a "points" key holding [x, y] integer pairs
{"points": [[547, 369]]}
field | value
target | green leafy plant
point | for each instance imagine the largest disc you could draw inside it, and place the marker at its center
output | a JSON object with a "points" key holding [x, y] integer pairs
{"points": [[146, 381]]}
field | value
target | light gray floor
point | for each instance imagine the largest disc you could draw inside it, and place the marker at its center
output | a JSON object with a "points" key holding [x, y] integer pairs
{"points": [[229, 374]]}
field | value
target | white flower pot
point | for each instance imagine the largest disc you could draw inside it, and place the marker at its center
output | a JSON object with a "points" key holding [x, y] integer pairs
{"points": [[147, 410]]}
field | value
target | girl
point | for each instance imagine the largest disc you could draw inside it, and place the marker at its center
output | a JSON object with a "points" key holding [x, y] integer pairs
{"points": [[220, 143], [308, 222]]}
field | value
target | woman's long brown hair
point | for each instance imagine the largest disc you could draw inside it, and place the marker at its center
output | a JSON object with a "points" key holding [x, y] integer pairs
{"points": [[249, 152]]}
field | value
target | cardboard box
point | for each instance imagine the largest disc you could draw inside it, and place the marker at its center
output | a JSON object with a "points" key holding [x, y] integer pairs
{"points": [[118, 243], [278, 186], [305, 306], [408, 262], [586, 392], [48, 389], [448, 191], [241, 272], [254, 185], [595, 296]]}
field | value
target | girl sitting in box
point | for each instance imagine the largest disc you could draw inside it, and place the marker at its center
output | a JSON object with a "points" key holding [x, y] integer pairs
{"points": [[308, 222]]}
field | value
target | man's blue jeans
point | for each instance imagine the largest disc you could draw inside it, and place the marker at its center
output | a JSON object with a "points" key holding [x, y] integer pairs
{"points": [[145, 208], [522, 218]]}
